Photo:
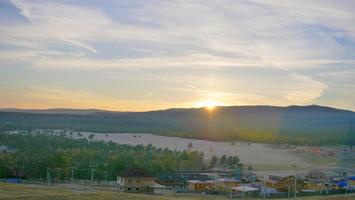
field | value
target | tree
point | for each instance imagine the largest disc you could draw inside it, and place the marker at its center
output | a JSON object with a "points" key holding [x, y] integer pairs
{"points": [[232, 161], [91, 136], [223, 160], [35, 154], [213, 162]]}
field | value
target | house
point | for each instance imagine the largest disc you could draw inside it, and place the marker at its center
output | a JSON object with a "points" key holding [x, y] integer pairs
{"points": [[172, 181], [244, 191], [316, 174], [312, 185], [315, 180], [249, 177], [225, 184], [280, 183], [204, 176], [199, 186], [341, 184], [137, 181], [351, 180]]}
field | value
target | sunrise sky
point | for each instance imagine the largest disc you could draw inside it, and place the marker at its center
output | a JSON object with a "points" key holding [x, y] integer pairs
{"points": [[145, 55]]}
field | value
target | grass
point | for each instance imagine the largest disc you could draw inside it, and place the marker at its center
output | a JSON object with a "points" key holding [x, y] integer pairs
{"points": [[37, 192]]}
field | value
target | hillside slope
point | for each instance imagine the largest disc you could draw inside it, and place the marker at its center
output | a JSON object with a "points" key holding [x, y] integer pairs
{"points": [[302, 124]]}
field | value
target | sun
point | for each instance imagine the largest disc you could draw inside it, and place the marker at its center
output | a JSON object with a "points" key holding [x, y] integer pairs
{"points": [[208, 104]]}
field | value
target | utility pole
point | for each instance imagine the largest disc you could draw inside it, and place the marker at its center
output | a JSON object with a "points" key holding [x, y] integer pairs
{"points": [[92, 167], [92, 176], [325, 184], [106, 176], [264, 185], [48, 177], [346, 181], [17, 170], [295, 182], [295, 192], [72, 175], [58, 174]]}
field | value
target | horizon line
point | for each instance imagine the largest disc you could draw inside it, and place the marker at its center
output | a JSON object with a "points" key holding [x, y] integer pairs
{"points": [[171, 108]]}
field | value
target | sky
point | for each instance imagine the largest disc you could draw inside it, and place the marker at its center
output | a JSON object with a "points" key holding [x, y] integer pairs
{"points": [[130, 55]]}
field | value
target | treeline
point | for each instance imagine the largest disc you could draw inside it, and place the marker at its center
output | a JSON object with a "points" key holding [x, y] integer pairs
{"points": [[34, 156], [264, 137], [230, 162]]}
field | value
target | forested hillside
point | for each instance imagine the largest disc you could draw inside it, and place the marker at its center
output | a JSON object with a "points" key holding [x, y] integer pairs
{"points": [[33, 156], [293, 124]]}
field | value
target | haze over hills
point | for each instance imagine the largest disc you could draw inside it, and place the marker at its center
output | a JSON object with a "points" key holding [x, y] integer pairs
{"points": [[298, 124]]}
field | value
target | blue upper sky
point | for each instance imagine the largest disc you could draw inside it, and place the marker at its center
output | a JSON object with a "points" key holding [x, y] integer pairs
{"points": [[144, 55]]}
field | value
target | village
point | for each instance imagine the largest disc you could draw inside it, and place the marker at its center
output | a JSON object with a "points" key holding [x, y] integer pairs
{"points": [[236, 183]]}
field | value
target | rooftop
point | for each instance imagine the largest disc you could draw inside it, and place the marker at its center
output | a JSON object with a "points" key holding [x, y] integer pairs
{"points": [[136, 173]]}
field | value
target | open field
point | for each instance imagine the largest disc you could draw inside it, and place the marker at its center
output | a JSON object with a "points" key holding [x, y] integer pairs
{"points": [[252, 153], [36, 192], [262, 157]]}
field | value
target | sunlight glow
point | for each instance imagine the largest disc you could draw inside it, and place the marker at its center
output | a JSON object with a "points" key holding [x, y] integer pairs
{"points": [[208, 104]]}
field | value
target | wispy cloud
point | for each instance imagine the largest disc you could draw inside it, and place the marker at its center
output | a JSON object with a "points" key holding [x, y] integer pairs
{"points": [[226, 33], [158, 38], [70, 23]]}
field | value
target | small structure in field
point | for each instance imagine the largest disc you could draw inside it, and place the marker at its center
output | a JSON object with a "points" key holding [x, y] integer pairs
{"points": [[6, 149]]}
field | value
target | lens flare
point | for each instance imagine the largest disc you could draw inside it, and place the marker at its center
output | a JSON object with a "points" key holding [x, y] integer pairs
{"points": [[208, 104]]}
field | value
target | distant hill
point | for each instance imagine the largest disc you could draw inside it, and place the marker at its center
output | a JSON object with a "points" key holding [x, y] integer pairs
{"points": [[296, 124], [54, 111]]}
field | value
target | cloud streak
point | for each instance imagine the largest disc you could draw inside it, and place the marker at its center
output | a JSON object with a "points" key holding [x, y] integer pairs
{"points": [[227, 33], [298, 40], [69, 23]]}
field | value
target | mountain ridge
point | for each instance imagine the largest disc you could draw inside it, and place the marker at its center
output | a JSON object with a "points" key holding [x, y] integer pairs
{"points": [[92, 110], [292, 124]]}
